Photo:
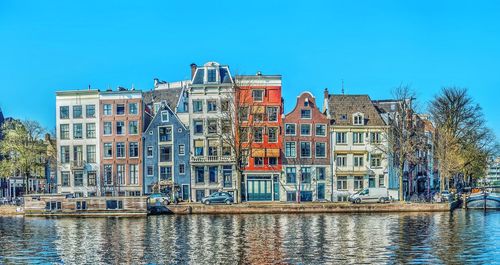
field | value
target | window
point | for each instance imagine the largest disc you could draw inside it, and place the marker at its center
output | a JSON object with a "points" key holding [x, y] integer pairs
{"points": [[64, 131], [108, 150], [305, 175], [165, 134], [108, 174], [224, 105], [244, 111], [357, 137], [91, 178], [198, 127], [90, 130], [273, 161], [211, 105], [290, 129], [77, 131], [244, 134], [77, 112], [182, 149], [132, 108], [182, 168], [305, 129], [90, 111], [149, 151], [133, 149], [226, 150], [305, 114], [258, 117], [258, 134], [381, 181], [358, 183], [320, 173], [197, 106], [291, 176], [78, 153], [342, 183], [120, 109], [120, 150], [227, 174], [120, 174], [258, 161], [212, 174], [81, 205], [320, 150], [290, 149], [291, 196], [120, 127], [272, 113], [375, 137], [107, 109], [64, 154], [341, 160], [341, 137], [213, 147], [200, 174], [108, 128], [91, 153], [165, 153], [149, 171], [358, 119], [114, 204], [358, 161], [375, 161], [320, 130], [64, 112], [65, 178], [211, 75], [134, 174], [212, 126], [371, 182], [164, 116], [164, 173], [78, 178], [258, 95], [305, 149], [199, 147], [226, 126], [272, 133], [132, 127]]}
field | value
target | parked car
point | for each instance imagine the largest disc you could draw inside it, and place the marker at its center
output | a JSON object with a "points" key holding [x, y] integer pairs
{"points": [[158, 198], [371, 194], [218, 197]]}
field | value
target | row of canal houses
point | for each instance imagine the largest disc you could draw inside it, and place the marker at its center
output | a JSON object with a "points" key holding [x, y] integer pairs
{"points": [[218, 132]]}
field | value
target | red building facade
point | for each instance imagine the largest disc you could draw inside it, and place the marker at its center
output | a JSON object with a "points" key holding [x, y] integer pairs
{"points": [[260, 107]]}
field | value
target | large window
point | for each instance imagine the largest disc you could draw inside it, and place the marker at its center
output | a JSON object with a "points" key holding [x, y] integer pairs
{"points": [[358, 119], [341, 160], [375, 160], [166, 172], [213, 147], [107, 109], [198, 126], [77, 111], [290, 129], [64, 154], [212, 126], [320, 173], [305, 149], [132, 127], [108, 128], [272, 113], [212, 106], [91, 154], [65, 179], [132, 108], [90, 111], [64, 128], [244, 134], [199, 147], [197, 106], [120, 109], [64, 112], [91, 178], [77, 131], [133, 149], [78, 178], [243, 113], [358, 183], [290, 149], [291, 175], [200, 174], [258, 134], [90, 130], [342, 183], [381, 181], [320, 150], [212, 174], [108, 174], [320, 130], [305, 175], [211, 75], [305, 129], [120, 150], [305, 114], [120, 174], [78, 153], [272, 133], [341, 137], [165, 153], [375, 138], [358, 161], [134, 174], [258, 95], [165, 134], [357, 137], [227, 174], [108, 150], [120, 127], [258, 161]]}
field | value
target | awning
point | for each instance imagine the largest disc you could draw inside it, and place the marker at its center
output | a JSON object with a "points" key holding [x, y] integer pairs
{"points": [[198, 143], [272, 152], [261, 152], [258, 152], [258, 109]]}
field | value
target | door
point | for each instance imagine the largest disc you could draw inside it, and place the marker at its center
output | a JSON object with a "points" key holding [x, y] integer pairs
{"points": [[321, 191], [259, 190], [185, 192]]}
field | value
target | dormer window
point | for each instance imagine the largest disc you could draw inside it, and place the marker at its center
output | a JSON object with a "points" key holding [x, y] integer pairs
{"points": [[211, 75], [358, 119], [305, 114], [343, 117]]}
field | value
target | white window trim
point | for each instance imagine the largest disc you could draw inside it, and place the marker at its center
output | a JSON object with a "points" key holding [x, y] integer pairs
{"points": [[179, 153], [345, 138], [124, 109], [310, 129], [153, 171], [183, 173], [310, 151], [310, 114], [263, 95], [277, 136], [129, 128], [336, 160], [161, 116], [147, 148], [316, 152], [295, 149], [319, 135], [295, 125]]}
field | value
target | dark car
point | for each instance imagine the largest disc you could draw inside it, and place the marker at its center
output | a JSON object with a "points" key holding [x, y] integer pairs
{"points": [[218, 197]]}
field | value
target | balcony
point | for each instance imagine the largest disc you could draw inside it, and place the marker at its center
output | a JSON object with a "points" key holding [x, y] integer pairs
{"points": [[212, 159], [79, 164]]}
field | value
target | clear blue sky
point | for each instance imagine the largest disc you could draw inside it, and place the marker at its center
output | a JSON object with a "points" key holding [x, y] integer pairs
{"points": [[372, 45]]}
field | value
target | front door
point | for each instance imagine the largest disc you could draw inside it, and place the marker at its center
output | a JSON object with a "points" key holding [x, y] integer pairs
{"points": [[321, 191], [259, 190], [185, 192]]}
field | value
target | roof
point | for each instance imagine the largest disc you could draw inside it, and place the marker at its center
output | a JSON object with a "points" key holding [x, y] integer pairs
{"points": [[170, 96], [222, 70], [347, 105]]}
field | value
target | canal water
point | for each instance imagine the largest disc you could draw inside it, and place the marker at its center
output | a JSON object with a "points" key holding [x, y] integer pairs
{"points": [[462, 237]]}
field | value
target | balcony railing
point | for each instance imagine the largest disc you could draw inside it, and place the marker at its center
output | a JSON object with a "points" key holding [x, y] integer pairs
{"points": [[203, 159], [78, 164]]}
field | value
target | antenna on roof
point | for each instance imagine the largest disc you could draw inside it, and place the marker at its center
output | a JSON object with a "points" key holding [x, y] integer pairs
{"points": [[342, 86]]}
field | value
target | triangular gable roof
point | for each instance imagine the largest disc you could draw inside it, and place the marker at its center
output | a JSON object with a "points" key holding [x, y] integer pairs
{"points": [[166, 107], [339, 105]]}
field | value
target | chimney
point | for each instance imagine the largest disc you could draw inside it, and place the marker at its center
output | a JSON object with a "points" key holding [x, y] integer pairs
{"points": [[193, 69], [156, 82], [325, 93]]}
